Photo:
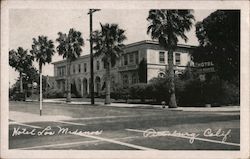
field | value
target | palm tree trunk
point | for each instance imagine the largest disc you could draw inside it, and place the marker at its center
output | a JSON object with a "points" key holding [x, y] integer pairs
{"points": [[107, 98], [172, 100], [41, 88], [68, 99], [21, 82], [32, 89]]}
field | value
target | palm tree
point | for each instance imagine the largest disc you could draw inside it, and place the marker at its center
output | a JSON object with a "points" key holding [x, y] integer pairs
{"points": [[21, 61], [166, 26], [108, 43], [70, 48], [42, 50], [30, 76]]}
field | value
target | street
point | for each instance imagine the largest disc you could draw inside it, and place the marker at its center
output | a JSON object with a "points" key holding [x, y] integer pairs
{"points": [[86, 127]]}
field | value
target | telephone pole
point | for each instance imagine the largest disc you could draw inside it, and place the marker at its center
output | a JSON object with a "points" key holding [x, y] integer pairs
{"points": [[91, 11]]}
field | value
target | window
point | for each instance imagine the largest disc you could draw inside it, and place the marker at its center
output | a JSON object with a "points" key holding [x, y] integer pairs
{"points": [[161, 75], [136, 57], [104, 65], [74, 69], [112, 81], [97, 65], [61, 71], [79, 68], [85, 67], [162, 57], [125, 80], [134, 79], [177, 58], [58, 71], [131, 58], [125, 59]]}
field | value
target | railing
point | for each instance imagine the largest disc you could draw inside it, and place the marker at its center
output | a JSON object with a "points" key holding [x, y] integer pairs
{"points": [[127, 67], [60, 77]]}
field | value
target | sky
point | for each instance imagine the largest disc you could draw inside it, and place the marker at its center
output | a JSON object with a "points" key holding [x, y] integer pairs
{"points": [[25, 24]]}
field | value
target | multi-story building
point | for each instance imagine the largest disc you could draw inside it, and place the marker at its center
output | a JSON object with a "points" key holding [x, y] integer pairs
{"points": [[126, 70]]}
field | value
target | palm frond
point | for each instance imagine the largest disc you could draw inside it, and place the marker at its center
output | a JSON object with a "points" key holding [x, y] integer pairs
{"points": [[108, 41], [70, 44], [166, 25]]}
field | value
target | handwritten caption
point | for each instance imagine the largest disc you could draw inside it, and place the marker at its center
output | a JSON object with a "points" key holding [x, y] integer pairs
{"points": [[49, 131], [191, 136]]}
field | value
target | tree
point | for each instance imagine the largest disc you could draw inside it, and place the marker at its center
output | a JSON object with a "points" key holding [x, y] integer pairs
{"points": [[219, 38], [21, 61], [70, 48], [142, 71], [108, 43], [167, 26], [31, 75], [42, 50]]}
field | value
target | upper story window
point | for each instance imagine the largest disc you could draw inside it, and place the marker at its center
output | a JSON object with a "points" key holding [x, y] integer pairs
{"points": [[61, 71], [74, 69], [58, 71], [85, 67], [97, 65], [125, 59], [64, 70], [177, 58], [136, 57], [79, 68], [162, 57], [104, 65], [131, 58]]}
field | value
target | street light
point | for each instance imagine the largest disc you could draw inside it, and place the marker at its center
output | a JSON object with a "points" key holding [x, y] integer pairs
{"points": [[91, 11]]}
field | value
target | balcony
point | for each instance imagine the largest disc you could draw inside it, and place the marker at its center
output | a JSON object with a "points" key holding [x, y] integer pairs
{"points": [[60, 77], [128, 67]]}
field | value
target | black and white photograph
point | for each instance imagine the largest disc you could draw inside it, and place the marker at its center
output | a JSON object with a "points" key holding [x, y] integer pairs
{"points": [[124, 79]]}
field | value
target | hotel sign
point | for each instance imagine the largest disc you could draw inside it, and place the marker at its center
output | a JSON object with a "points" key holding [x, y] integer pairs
{"points": [[205, 67]]}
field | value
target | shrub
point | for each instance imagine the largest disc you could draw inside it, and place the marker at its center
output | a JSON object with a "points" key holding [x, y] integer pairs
{"points": [[74, 92], [159, 89], [212, 91], [119, 93], [231, 93], [138, 91], [54, 93]]}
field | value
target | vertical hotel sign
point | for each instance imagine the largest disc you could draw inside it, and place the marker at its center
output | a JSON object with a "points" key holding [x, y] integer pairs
{"points": [[203, 68]]}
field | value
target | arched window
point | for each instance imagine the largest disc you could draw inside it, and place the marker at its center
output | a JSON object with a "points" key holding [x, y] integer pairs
{"points": [[98, 84], [161, 74]]}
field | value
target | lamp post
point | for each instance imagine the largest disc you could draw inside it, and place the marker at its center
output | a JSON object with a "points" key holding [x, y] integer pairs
{"points": [[91, 11]]}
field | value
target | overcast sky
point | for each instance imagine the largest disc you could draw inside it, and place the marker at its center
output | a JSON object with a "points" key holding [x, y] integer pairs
{"points": [[25, 24]]}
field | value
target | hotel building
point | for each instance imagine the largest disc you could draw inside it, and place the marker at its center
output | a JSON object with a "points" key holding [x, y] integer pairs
{"points": [[126, 70]]}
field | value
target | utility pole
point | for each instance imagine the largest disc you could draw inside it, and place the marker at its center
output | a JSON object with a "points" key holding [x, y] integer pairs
{"points": [[91, 11]]}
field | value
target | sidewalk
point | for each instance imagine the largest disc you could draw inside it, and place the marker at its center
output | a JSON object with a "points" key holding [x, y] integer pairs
{"points": [[148, 106], [29, 117]]}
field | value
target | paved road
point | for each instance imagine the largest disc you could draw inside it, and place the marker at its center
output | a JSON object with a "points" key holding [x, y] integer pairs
{"points": [[85, 127]]}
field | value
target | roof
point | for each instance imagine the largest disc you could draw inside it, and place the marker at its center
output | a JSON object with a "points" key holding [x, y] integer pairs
{"points": [[135, 44], [81, 57], [156, 43]]}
